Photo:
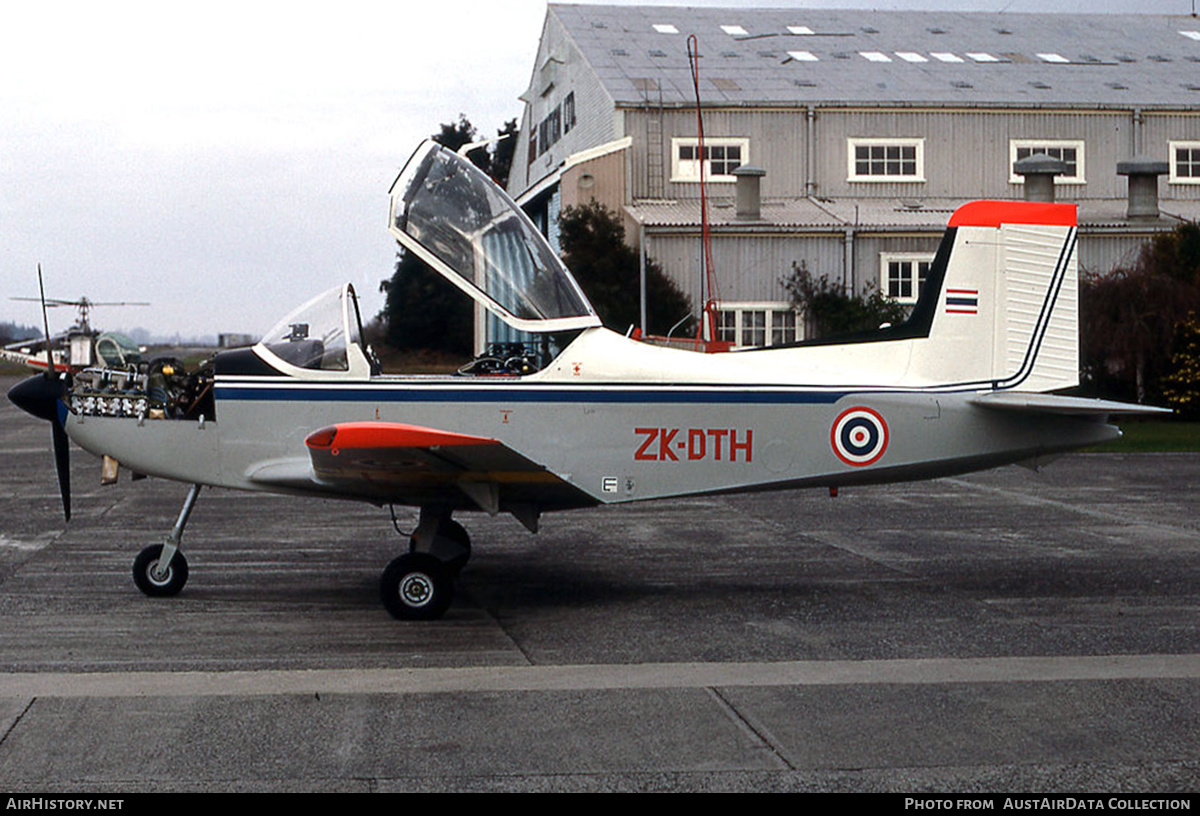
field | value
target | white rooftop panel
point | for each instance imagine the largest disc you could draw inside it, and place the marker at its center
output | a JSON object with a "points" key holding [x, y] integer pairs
{"points": [[1158, 55], [875, 56]]}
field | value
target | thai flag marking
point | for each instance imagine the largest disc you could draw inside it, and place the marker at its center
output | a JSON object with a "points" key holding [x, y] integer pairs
{"points": [[962, 301]]}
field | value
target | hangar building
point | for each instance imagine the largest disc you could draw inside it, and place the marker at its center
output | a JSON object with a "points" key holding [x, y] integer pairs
{"points": [[861, 130]]}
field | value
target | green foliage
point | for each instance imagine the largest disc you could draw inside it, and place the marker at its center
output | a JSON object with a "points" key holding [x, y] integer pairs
{"points": [[607, 269], [423, 310], [1129, 318], [494, 159], [1181, 387], [828, 310]]}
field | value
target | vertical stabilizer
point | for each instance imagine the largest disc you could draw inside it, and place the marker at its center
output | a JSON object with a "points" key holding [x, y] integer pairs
{"points": [[1006, 312]]}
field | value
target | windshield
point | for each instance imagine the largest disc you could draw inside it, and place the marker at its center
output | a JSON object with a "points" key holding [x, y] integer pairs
{"points": [[459, 222], [314, 336]]}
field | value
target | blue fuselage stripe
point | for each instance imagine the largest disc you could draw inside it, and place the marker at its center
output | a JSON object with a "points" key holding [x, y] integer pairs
{"points": [[512, 395]]}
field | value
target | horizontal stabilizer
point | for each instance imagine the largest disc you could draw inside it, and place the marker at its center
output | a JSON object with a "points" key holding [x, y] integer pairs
{"points": [[1056, 404]]}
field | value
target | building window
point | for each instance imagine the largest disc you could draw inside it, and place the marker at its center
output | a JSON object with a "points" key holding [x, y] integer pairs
{"points": [[886, 160], [901, 275], [568, 112], [1069, 152], [1185, 162], [754, 325], [721, 158]]}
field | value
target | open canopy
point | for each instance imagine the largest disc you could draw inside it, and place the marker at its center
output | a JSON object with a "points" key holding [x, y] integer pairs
{"points": [[452, 216]]}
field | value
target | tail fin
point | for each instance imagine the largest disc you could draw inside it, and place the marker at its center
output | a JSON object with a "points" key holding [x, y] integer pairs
{"points": [[1002, 299]]}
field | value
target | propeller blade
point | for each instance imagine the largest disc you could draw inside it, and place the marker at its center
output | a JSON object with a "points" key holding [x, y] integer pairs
{"points": [[41, 395], [46, 324], [62, 464]]}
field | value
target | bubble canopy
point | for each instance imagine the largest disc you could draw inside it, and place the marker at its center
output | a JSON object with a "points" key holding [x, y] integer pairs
{"points": [[453, 217], [322, 337]]}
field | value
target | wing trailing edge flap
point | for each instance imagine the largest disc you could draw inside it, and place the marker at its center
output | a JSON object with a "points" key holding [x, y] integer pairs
{"points": [[1058, 404], [392, 461]]}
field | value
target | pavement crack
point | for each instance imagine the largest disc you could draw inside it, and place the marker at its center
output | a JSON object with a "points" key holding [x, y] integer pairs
{"points": [[756, 735], [17, 721]]}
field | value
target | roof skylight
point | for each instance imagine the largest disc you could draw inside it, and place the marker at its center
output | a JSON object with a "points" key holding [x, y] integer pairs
{"points": [[875, 56], [803, 56], [665, 28], [802, 30], [911, 56], [1058, 58], [734, 30], [1191, 35], [982, 56], [946, 56]]}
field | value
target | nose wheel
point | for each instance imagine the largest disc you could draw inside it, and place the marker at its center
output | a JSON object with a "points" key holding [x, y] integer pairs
{"points": [[156, 578], [160, 570]]}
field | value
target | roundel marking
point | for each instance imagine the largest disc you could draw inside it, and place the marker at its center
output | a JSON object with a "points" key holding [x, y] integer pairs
{"points": [[859, 436]]}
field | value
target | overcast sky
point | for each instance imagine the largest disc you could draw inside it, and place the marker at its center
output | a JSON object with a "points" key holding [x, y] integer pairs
{"points": [[225, 161]]}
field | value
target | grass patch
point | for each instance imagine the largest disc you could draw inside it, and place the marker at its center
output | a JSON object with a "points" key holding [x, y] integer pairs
{"points": [[1153, 436]]}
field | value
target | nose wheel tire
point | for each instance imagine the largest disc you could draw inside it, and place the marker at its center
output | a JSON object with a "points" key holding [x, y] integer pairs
{"points": [[416, 586], [155, 580]]}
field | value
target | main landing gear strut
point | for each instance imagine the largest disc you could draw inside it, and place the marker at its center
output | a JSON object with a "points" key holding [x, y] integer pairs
{"points": [[160, 570], [419, 585]]}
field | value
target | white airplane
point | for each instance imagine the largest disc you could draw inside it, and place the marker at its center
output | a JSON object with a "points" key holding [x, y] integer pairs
{"points": [[967, 383]]}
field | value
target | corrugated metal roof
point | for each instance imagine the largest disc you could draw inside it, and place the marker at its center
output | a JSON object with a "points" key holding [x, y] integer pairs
{"points": [[900, 57], [925, 215]]}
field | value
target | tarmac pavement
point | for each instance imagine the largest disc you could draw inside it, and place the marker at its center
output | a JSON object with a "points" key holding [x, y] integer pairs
{"points": [[1005, 631]]}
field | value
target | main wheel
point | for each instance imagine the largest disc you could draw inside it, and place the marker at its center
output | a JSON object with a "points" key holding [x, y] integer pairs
{"points": [[155, 582], [416, 586]]}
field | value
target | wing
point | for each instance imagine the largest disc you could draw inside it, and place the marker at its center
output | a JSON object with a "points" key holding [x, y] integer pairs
{"points": [[410, 464]]}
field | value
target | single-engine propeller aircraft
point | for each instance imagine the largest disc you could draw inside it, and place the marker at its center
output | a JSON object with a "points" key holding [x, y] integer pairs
{"points": [[964, 384]]}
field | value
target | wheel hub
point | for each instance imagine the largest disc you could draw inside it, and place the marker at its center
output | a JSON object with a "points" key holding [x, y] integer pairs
{"points": [[416, 589], [158, 574]]}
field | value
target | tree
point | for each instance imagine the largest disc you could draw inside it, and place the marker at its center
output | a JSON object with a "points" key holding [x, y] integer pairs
{"points": [[1181, 388], [503, 152], [423, 310], [1129, 318], [607, 269], [829, 310]]}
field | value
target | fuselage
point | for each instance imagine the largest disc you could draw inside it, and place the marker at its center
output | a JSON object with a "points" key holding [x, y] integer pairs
{"points": [[614, 439]]}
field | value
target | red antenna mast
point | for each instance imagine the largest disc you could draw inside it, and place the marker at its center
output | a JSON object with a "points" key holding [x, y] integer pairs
{"points": [[708, 277]]}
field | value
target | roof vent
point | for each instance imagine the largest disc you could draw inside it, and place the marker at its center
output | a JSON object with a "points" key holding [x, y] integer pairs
{"points": [[1143, 173], [749, 193], [1039, 171]]}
